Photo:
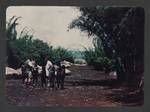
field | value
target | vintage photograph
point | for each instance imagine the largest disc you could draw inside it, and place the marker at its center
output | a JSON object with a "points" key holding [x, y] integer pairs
{"points": [[71, 56]]}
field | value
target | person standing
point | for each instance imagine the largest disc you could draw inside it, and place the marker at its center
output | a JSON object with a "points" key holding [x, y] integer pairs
{"points": [[58, 77], [23, 70], [52, 77], [43, 77], [35, 75], [62, 77]]}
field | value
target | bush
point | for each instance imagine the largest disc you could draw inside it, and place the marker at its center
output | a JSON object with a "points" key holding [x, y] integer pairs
{"points": [[98, 63], [89, 56], [96, 57], [102, 63]]}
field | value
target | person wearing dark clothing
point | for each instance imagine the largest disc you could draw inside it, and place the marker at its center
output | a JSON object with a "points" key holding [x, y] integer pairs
{"points": [[35, 75], [58, 77], [43, 77], [23, 70], [62, 77], [52, 77]]}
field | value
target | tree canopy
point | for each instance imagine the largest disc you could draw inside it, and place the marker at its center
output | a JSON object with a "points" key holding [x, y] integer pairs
{"points": [[121, 32]]}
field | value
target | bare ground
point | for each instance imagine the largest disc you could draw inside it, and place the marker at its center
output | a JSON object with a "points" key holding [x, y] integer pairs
{"points": [[86, 87]]}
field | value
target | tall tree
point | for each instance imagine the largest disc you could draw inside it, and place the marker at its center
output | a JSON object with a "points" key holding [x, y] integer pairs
{"points": [[12, 52], [121, 32]]}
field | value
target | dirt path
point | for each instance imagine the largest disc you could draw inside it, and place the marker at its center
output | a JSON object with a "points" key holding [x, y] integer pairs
{"points": [[84, 88]]}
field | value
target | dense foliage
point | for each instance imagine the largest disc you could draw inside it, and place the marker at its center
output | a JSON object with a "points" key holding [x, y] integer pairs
{"points": [[22, 46], [97, 58], [121, 33]]}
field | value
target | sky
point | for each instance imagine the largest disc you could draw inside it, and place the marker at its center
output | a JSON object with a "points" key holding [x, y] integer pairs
{"points": [[50, 24]]}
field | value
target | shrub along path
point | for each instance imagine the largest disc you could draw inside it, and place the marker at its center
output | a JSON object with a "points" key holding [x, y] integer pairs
{"points": [[86, 87]]}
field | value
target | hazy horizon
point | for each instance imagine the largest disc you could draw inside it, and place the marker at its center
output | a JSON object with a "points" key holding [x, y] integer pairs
{"points": [[50, 24]]}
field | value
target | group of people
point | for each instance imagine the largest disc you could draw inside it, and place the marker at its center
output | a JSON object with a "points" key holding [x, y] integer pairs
{"points": [[48, 75]]}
